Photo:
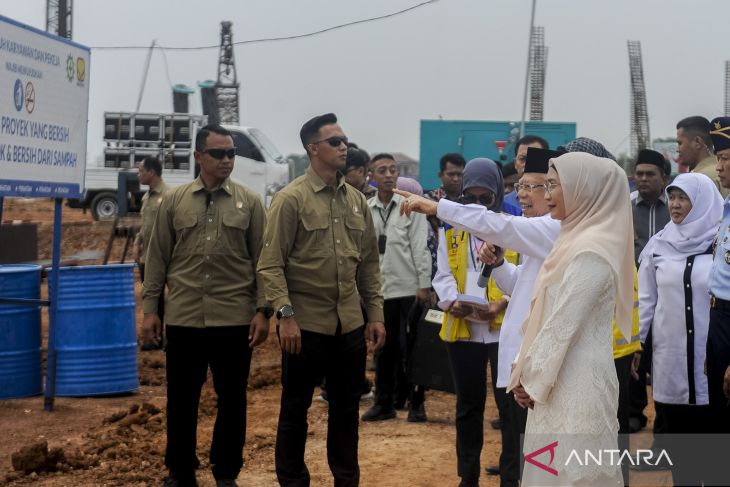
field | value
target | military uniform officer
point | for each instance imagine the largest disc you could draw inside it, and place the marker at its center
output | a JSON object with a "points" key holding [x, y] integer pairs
{"points": [[718, 337], [205, 245], [150, 174], [320, 257]]}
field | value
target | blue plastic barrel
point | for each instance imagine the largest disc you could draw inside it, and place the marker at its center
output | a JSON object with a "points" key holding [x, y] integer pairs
{"points": [[96, 339], [20, 332]]}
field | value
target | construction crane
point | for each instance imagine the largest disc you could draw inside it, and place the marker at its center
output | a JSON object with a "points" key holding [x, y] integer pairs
{"points": [[226, 87], [727, 88], [59, 18], [640, 138], [537, 73]]}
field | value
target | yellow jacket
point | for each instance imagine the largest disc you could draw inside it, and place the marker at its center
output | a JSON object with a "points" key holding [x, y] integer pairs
{"points": [[453, 328], [621, 346]]}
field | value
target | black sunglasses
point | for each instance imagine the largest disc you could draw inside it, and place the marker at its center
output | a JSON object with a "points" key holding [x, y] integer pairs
{"points": [[334, 141], [486, 199], [221, 153]]}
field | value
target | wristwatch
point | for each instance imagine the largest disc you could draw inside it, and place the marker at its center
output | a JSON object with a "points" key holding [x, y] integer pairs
{"points": [[267, 311], [285, 311]]}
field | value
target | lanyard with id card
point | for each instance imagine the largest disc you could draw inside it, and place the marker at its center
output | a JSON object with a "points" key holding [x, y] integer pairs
{"points": [[383, 238]]}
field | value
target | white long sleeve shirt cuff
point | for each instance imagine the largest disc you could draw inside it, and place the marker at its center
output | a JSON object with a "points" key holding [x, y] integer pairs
{"points": [[505, 277]]}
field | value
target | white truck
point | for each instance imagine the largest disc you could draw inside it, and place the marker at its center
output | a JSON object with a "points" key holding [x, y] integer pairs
{"points": [[130, 137]]}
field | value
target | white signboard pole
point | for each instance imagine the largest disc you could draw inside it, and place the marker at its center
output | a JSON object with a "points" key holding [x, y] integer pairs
{"points": [[44, 103]]}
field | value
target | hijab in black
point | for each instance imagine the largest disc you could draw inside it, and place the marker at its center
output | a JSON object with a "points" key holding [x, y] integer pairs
{"points": [[484, 173]]}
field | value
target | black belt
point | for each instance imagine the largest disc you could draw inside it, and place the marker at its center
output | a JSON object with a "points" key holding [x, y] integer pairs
{"points": [[717, 303]]}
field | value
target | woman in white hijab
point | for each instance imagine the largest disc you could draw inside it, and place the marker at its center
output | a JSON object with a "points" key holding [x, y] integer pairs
{"points": [[674, 306], [565, 371]]}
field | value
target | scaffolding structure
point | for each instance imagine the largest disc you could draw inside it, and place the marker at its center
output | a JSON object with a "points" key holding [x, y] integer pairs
{"points": [[58, 17], [538, 66], [226, 87], [727, 88], [640, 138]]}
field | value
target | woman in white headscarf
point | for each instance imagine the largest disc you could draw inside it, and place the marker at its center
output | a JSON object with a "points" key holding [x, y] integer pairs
{"points": [[565, 371], [674, 305]]}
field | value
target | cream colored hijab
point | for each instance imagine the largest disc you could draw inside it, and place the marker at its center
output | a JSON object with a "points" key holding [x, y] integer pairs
{"points": [[598, 219]]}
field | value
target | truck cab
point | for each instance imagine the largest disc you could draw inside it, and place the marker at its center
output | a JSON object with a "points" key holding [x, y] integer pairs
{"points": [[129, 137], [259, 165]]}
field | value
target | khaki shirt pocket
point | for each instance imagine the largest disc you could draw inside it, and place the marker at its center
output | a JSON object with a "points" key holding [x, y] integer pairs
{"points": [[186, 236], [316, 236], [355, 229], [232, 239], [149, 211]]}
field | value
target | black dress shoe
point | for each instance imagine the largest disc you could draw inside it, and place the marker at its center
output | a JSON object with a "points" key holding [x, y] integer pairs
{"points": [[416, 413], [180, 481], [492, 470], [399, 403], [225, 483], [469, 483], [378, 413], [496, 424]]}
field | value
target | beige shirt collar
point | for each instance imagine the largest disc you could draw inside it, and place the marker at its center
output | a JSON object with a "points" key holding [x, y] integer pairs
{"points": [[225, 186], [318, 184]]}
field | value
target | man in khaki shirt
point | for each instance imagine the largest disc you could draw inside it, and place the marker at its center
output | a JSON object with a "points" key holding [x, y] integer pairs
{"points": [[320, 258], [205, 246], [694, 146], [150, 174]]}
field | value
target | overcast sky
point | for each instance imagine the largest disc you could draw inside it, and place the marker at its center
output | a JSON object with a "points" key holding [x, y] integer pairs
{"points": [[459, 59]]}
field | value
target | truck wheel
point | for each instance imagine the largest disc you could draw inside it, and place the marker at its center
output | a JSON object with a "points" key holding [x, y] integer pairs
{"points": [[104, 205]]}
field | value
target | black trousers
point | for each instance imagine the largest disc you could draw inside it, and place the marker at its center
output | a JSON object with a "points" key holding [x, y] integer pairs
{"points": [[638, 396], [340, 359], [718, 360], [190, 351], [160, 302], [513, 427], [390, 362], [469, 367], [683, 419], [623, 374]]}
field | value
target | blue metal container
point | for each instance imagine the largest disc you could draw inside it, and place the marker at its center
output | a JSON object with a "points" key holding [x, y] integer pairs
{"points": [[96, 339], [20, 332], [476, 138]]}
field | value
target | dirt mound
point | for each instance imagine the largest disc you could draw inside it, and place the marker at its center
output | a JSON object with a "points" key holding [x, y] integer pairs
{"points": [[37, 458], [127, 447]]}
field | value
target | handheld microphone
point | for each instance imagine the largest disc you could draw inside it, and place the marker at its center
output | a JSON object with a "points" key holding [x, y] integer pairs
{"points": [[483, 279]]}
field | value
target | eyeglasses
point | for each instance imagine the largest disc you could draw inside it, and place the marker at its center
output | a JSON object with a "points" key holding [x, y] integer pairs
{"points": [[221, 153], [549, 187], [486, 199], [528, 187], [334, 141]]}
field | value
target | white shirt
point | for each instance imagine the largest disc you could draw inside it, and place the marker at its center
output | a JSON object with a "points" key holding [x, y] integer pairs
{"points": [[406, 264], [533, 239], [444, 284], [665, 309]]}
